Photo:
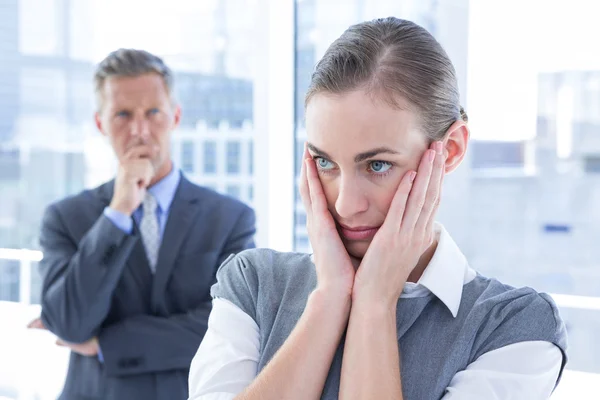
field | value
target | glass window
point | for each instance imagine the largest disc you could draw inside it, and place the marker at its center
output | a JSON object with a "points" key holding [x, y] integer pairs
{"points": [[9, 284], [233, 191], [233, 157], [187, 156], [250, 158], [210, 157]]}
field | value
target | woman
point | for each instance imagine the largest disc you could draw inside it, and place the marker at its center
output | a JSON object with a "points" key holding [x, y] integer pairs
{"points": [[386, 287]]}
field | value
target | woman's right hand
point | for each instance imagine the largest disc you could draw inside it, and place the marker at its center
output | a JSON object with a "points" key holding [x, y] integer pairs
{"points": [[335, 272]]}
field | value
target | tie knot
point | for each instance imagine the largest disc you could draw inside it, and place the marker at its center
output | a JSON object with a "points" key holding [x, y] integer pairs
{"points": [[149, 204]]}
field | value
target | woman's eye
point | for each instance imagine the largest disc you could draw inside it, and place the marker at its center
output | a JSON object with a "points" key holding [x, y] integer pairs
{"points": [[323, 163], [380, 166]]}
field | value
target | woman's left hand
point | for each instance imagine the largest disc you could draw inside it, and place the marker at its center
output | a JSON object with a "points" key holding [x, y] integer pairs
{"points": [[405, 235]]}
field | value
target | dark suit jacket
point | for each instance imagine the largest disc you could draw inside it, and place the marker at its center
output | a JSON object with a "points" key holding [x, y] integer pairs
{"points": [[97, 283]]}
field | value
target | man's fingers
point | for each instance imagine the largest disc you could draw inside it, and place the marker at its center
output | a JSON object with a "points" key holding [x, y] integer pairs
{"points": [[141, 151], [148, 173], [36, 324], [140, 170]]}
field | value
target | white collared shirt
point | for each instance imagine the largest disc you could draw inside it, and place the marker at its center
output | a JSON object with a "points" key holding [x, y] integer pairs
{"points": [[227, 359]]}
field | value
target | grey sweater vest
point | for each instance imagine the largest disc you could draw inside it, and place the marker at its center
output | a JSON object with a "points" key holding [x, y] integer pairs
{"points": [[273, 289]]}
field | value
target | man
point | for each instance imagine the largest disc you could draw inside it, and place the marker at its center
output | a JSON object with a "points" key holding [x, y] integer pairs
{"points": [[128, 266]]}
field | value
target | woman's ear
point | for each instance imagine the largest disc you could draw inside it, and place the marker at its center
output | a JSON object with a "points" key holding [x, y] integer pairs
{"points": [[455, 144]]}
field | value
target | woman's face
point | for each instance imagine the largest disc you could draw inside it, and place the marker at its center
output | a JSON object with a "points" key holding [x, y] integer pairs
{"points": [[362, 149]]}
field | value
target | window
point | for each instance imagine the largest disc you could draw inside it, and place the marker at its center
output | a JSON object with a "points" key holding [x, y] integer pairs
{"points": [[233, 191], [210, 157], [9, 284], [187, 156], [250, 158], [233, 158]]}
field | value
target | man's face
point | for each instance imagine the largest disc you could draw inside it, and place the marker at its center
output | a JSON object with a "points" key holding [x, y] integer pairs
{"points": [[138, 111]]}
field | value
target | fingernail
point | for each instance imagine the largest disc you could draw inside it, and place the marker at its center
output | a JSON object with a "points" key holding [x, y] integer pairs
{"points": [[412, 176], [439, 147], [431, 155]]}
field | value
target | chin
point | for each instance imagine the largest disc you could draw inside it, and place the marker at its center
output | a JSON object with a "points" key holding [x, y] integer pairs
{"points": [[357, 249]]}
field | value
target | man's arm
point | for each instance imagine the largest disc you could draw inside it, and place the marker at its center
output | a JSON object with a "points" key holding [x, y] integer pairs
{"points": [[146, 343], [79, 278], [242, 236]]}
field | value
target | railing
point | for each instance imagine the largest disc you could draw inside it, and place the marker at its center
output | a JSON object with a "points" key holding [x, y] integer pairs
{"points": [[27, 256]]}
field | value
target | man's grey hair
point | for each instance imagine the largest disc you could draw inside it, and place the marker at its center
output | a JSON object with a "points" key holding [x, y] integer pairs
{"points": [[130, 63]]}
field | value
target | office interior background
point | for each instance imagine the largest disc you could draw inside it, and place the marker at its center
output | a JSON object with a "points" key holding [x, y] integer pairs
{"points": [[523, 207]]}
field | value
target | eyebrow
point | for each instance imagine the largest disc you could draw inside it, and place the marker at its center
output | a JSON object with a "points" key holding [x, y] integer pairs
{"points": [[359, 157]]}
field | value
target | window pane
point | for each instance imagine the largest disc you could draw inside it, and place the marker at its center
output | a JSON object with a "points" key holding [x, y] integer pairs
{"points": [[187, 156], [9, 284], [210, 157], [233, 191], [250, 157], [233, 157]]}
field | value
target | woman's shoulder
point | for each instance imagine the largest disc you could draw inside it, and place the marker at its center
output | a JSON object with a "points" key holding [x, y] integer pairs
{"points": [[492, 292], [245, 277], [266, 262], [510, 314]]}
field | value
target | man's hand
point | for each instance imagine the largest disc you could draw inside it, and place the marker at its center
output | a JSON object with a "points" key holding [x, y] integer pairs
{"points": [[36, 324], [89, 348], [135, 174]]}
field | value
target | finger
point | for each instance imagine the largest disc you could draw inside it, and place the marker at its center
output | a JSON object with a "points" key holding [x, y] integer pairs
{"points": [[317, 197], [141, 170], [141, 151], [303, 186], [35, 324], [393, 220], [416, 198], [434, 194], [60, 343], [148, 173]]}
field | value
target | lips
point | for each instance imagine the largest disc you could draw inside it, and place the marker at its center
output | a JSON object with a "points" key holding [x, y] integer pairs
{"points": [[358, 232]]}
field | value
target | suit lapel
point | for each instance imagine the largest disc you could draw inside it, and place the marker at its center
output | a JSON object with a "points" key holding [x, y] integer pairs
{"points": [[182, 215]]}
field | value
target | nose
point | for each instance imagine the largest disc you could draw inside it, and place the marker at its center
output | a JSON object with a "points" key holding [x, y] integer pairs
{"points": [[140, 127], [351, 198]]}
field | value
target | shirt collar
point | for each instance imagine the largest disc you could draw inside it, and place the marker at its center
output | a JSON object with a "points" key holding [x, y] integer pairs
{"points": [[445, 274], [164, 190]]}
